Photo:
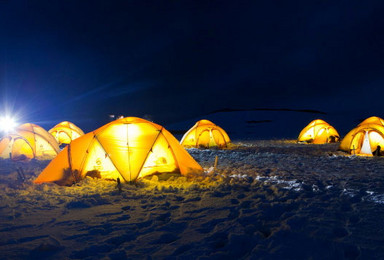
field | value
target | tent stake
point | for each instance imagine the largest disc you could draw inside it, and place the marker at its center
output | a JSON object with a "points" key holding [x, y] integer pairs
{"points": [[20, 173], [118, 184], [216, 161]]}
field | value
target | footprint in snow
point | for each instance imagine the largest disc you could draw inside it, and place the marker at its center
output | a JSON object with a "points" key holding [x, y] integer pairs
{"points": [[166, 238], [209, 226]]}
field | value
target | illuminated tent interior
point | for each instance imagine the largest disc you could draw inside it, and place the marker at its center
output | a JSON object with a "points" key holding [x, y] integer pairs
{"points": [[65, 132], [205, 134], [365, 138], [318, 132], [29, 141], [128, 148]]}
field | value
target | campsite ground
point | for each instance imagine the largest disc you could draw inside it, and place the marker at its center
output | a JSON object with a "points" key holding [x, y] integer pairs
{"points": [[267, 200]]}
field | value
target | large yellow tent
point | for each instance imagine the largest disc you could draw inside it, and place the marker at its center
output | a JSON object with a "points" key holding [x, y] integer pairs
{"points": [[365, 138], [29, 141], [318, 132], [65, 132], [128, 148], [205, 134]]}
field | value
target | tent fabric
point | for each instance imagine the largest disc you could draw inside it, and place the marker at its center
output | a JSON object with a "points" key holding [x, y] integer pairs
{"points": [[65, 132], [353, 142], [29, 141], [205, 134], [318, 132], [373, 120], [128, 148]]}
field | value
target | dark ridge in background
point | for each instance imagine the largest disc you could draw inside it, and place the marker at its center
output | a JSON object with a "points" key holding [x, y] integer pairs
{"points": [[267, 109], [258, 121]]}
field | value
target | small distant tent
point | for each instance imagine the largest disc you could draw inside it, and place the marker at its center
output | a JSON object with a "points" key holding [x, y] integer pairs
{"points": [[65, 132], [205, 134], [365, 138], [29, 141], [318, 132], [127, 148]]}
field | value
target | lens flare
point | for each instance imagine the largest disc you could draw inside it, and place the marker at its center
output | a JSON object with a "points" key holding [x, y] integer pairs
{"points": [[7, 124]]}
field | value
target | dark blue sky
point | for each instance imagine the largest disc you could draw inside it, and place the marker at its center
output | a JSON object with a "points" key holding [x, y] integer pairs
{"points": [[171, 60]]}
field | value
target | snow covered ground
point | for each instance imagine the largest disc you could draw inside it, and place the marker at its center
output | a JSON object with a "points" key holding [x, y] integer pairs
{"points": [[270, 199]]}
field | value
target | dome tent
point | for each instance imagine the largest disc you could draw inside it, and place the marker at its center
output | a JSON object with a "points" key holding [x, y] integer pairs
{"points": [[65, 132], [365, 138], [127, 148], [29, 141], [205, 134], [318, 132]]}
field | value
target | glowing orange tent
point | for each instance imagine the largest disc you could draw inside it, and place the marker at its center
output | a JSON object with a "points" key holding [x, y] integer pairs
{"points": [[318, 132], [29, 141], [205, 134], [128, 148], [365, 138], [65, 132]]}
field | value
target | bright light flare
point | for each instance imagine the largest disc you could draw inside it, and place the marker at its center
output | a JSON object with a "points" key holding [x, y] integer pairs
{"points": [[7, 124]]}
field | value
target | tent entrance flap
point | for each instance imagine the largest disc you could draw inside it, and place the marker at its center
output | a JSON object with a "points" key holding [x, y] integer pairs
{"points": [[366, 147]]}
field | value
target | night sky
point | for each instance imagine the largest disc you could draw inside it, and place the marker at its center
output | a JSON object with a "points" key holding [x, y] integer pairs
{"points": [[171, 60]]}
